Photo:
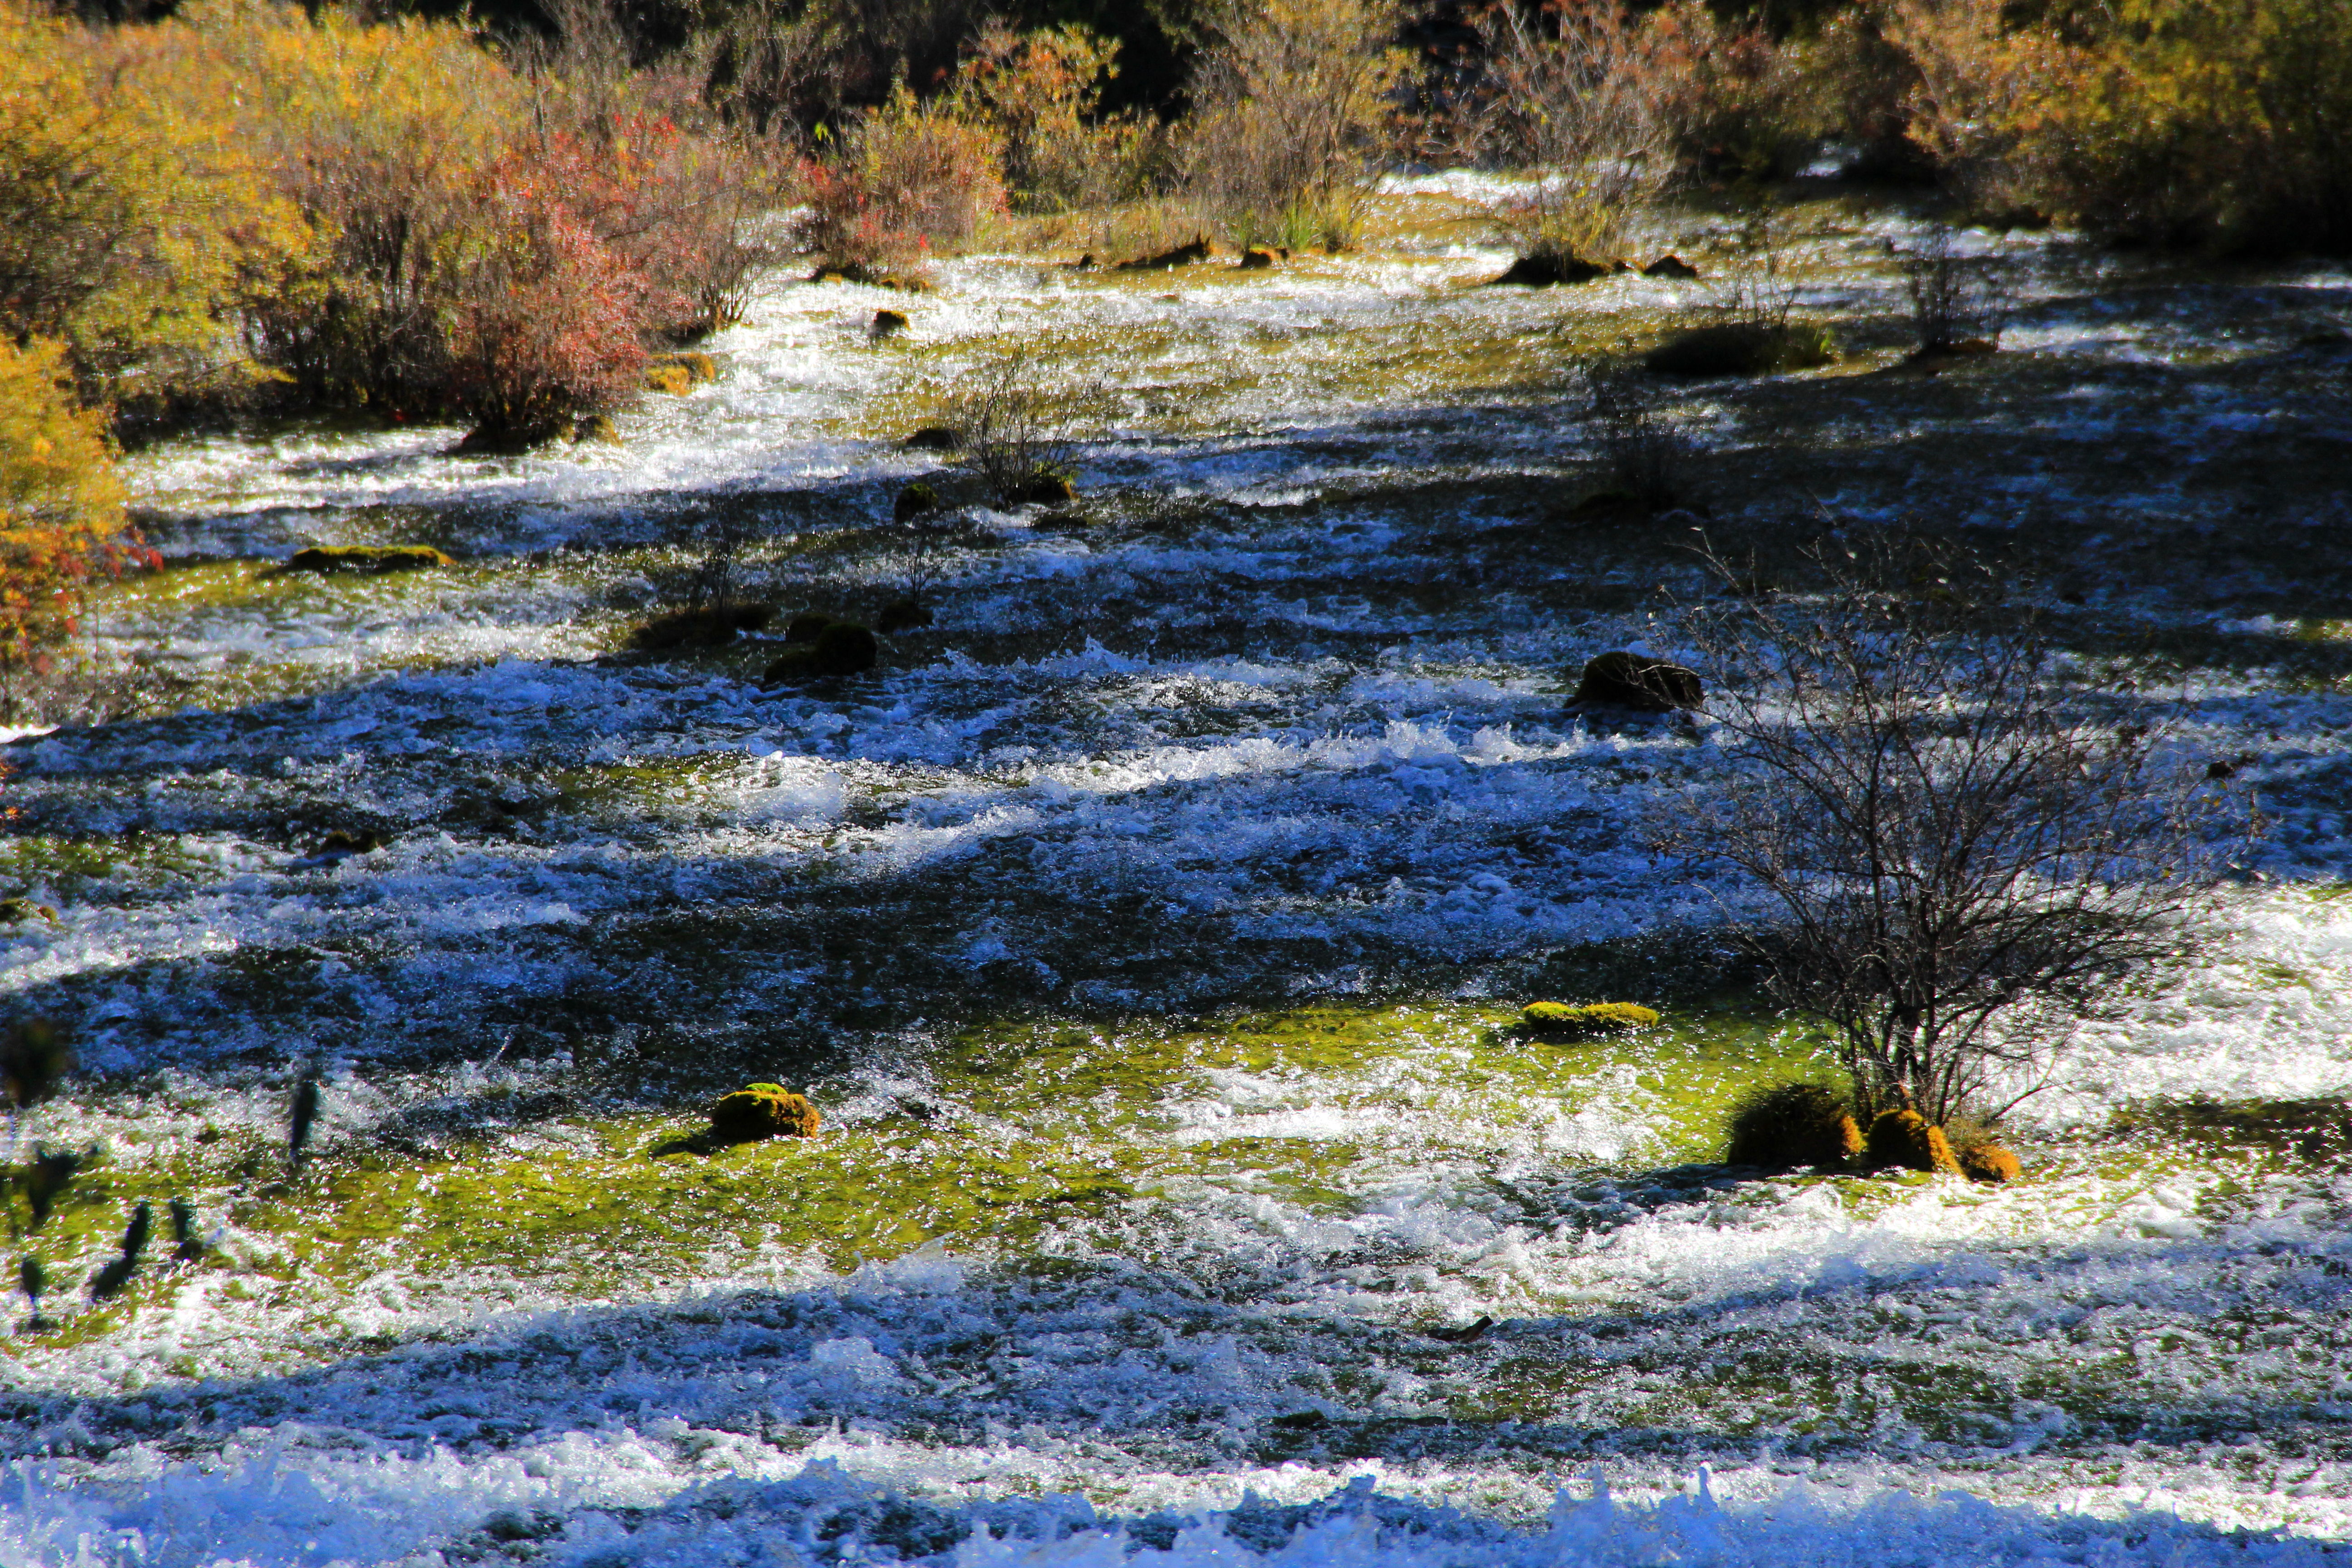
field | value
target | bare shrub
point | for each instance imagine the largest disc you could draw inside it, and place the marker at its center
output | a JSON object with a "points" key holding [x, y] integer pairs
{"points": [[1291, 116], [1019, 412], [1571, 101], [1964, 851], [1955, 297]]}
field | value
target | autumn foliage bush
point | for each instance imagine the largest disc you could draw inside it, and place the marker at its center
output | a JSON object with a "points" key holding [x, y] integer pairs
{"points": [[912, 179], [2225, 124], [61, 517]]}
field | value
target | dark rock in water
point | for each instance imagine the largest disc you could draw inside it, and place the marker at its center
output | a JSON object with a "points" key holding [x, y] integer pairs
{"points": [[700, 629], [916, 500], [858, 272], [1256, 259], [338, 845], [17, 910], [598, 428], [35, 1058], [763, 1110], [1936, 361], [1739, 348], [807, 626], [1166, 260], [328, 559], [1791, 1125], [902, 615], [1046, 487], [886, 325], [1544, 270], [937, 439], [1622, 680], [1063, 519], [1669, 266], [677, 374], [1085, 263], [840, 650]]}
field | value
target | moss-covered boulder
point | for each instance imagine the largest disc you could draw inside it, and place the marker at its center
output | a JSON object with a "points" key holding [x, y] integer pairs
{"points": [[1621, 679], [596, 430], [807, 626], [17, 910], [1791, 1125], [840, 648], [902, 615], [886, 324], [331, 560], [1990, 1163], [1256, 259], [919, 498], [1739, 348], [700, 629], [677, 374], [1588, 1021], [1047, 486], [873, 278], [1908, 1141], [763, 1110]]}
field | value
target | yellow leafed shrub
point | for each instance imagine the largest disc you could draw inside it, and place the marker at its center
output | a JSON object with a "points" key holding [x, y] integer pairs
{"points": [[61, 517], [2220, 124]]}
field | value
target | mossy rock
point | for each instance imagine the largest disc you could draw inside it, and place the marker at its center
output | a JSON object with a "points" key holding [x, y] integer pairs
{"points": [[886, 324], [1791, 1125], [1589, 1021], [671, 380], [1621, 679], [807, 626], [1046, 487], [1739, 348], [1669, 266], [840, 650], [1990, 1162], [1546, 271], [763, 1110], [1908, 1141], [331, 560], [902, 615], [700, 629], [597, 429], [16, 911], [1256, 259], [918, 500], [936, 438]]}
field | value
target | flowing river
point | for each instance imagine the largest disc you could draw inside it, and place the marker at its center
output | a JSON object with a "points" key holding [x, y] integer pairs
{"points": [[1147, 929]]}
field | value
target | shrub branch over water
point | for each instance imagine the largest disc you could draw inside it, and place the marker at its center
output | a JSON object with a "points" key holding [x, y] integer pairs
{"points": [[1959, 855]]}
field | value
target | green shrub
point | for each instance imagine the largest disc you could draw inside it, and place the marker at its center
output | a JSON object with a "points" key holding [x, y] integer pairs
{"points": [[1590, 1020]]}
